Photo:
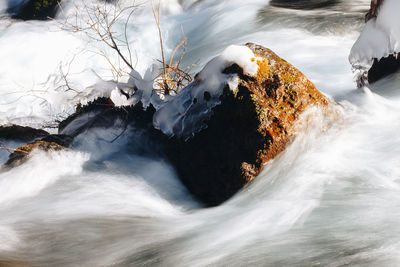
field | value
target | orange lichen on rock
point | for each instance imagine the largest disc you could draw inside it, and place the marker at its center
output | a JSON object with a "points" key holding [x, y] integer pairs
{"points": [[263, 68]]}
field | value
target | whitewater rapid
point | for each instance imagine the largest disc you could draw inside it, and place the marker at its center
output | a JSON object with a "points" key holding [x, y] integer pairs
{"points": [[331, 198]]}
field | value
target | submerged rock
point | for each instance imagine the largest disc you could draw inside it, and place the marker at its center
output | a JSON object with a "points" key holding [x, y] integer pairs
{"points": [[27, 134], [33, 9], [21, 133], [250, 126], [21, 154]]}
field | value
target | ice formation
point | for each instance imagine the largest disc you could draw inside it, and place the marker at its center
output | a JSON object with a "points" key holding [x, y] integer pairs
{"points": [[184, 114], [181, 115], [138, 88], [380, 37]]}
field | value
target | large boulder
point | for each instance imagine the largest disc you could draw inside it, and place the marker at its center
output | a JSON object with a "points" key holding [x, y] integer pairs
{"points": [[249, 127]]}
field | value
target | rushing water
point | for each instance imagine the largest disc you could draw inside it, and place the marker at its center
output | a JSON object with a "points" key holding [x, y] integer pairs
{"points": [[331, 199]]}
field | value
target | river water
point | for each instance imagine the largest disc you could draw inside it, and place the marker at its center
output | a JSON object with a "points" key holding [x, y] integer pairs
{"points": [[332, 198]]}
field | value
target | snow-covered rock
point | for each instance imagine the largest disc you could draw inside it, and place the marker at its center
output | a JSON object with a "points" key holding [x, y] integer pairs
{"points": [[379, 39]]}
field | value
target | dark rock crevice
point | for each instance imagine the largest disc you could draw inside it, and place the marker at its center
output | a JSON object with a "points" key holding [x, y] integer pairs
{"points": [[33, 9]]}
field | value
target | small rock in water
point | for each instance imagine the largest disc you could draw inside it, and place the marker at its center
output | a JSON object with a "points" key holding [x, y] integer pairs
{"points": [[21, 154]]}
